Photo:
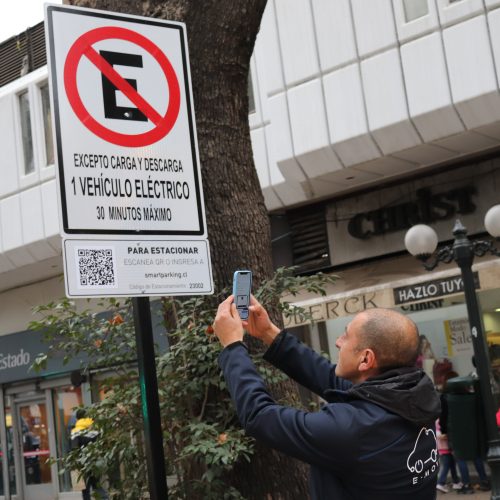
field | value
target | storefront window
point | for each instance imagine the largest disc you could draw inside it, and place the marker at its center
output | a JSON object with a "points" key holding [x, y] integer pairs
{"points": [[65, 400], [443, 330], [444, 335]]}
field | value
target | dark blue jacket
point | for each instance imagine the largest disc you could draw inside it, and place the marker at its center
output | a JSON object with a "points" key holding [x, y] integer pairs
{"points": [[373, 440]]}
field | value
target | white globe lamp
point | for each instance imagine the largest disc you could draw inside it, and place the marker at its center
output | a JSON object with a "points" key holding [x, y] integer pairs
{"points": [[421, 240], [492, 221]]}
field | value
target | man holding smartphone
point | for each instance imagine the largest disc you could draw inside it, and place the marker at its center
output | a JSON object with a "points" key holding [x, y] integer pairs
{"points": [[374, 438]]}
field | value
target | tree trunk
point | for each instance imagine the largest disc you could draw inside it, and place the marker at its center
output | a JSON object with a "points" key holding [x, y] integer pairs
{"points": [[221, 37]]}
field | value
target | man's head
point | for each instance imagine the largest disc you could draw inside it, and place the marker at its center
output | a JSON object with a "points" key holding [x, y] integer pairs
{"points": [[80, 413], [375, 341]]}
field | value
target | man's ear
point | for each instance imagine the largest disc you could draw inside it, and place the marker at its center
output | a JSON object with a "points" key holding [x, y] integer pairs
{"points": [[368, 360]]}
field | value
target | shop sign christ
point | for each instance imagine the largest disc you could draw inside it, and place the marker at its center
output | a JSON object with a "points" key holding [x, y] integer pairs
{"points": [[128, 168]]}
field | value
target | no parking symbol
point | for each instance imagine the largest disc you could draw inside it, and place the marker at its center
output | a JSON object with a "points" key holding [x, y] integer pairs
{"points": [[112, 81], [127, 155]]}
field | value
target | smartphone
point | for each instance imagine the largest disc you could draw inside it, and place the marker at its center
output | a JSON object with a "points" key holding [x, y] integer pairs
{"points": [[242, 287]]}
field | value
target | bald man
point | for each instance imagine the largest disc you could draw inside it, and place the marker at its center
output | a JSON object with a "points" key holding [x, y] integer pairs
{"points": [[374, 438]]}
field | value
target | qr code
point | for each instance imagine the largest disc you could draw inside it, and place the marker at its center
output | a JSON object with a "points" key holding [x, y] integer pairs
{"points": [[96, 267]]}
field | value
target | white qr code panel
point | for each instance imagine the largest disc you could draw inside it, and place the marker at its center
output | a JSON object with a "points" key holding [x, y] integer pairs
{"points": [[96, 267], [112, 268]]}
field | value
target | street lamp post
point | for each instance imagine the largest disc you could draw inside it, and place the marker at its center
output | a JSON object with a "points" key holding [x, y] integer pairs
{"points": [[421, 241]]}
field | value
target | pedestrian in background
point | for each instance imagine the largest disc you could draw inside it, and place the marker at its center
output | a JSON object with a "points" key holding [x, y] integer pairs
{"points": [[82, 434], [446, 462], [374, 438], [463, 439], [447, 459]]}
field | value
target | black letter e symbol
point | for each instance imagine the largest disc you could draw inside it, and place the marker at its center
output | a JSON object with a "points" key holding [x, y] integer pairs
{"points": [[111, 110]]}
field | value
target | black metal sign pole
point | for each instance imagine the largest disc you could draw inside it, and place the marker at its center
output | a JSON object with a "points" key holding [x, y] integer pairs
{"points": [[150, 402]]}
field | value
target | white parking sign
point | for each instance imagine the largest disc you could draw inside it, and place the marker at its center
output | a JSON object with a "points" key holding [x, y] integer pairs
{"points": [[127, 154], [126, 142]]}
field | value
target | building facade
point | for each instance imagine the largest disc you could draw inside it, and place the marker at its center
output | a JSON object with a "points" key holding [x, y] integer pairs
{"points": [[366, 118], [371, 117]]}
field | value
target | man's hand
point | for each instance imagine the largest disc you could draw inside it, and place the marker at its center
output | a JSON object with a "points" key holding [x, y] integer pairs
{"points": [[227, 324], [259, 325]]}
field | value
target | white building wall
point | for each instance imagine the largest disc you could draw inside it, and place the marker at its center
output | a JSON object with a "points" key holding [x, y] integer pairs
{"points": [[30, 246], [350, 93], [347, 94]]}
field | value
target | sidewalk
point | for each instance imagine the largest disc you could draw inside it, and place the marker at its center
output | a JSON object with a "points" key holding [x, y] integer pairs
{"points": [[477, 495]]}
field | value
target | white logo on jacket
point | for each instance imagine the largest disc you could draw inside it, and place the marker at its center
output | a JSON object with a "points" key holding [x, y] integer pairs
{"points": [[419, 461]]}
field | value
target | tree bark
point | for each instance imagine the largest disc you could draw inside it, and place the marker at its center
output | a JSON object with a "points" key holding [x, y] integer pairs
{"points": [[221, 37]]}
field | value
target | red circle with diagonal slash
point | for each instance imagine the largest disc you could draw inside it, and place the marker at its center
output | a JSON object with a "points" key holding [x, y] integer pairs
{"points": [[83, 46]]}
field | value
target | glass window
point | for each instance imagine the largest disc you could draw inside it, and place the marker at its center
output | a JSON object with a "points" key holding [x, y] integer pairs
{"points": [[35, 442], [415, 9], [445, 334], [47, 124], [65, 400], [24, 109], [251, 97]]}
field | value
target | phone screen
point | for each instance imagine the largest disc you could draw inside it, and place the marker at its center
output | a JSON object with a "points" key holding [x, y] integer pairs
{"points": [[241, 291]]}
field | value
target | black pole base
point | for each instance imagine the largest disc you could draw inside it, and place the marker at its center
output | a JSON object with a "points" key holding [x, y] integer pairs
{"points": [[493, 458], [153, 437]]}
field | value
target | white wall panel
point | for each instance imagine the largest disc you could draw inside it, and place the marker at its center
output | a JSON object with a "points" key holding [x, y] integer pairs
{"points": [[494, 31], [297, 40], [387, 166], [32, 224], [255, 118], [309, 129], [427, 87], [438, 124], [267, 53], [374, 24], [425, 154], [334, 32], [11, 222], [12, 232], [349, 177], [347, 122], [16, 306], [271, 199], [322, 187], [472, 76], [467, 142], [285, 173], [8, 159], [260, 159], [492, 130], [290, 192], [260, 156], [396, 137], [386, 102], [279, 140], [452, 12], [31, 215], [50, 208], [5, 263], [384, 90], [425, 74]]}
